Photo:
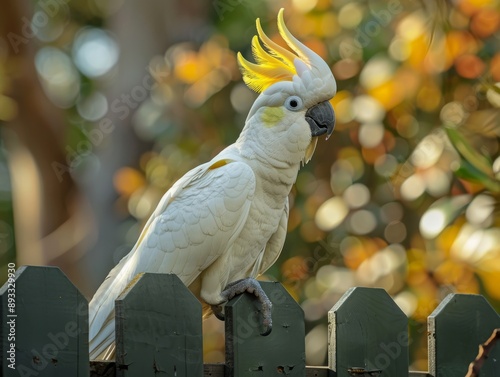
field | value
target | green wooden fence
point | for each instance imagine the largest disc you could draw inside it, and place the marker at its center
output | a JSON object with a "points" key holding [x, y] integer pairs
{"points": [[44, 333]]}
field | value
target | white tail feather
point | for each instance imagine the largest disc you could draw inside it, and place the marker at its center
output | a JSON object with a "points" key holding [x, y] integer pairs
{"points": [[102, 307]]}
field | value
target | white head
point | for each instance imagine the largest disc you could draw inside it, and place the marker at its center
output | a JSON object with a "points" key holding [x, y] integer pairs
{"points": [[295, 88]]}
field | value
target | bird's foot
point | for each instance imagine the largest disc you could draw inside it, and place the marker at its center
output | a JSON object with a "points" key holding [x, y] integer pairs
{"points": [[218, 311], [252, 286]]}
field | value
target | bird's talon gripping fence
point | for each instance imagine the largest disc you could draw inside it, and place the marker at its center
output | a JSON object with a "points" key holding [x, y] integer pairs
{"points": [[159, 333]]}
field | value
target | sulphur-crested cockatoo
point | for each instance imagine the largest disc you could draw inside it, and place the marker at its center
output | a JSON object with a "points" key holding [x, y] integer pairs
{"points": [[224, 222]]}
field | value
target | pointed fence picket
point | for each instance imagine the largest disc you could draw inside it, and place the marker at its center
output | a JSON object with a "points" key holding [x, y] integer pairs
{"points": [[368, 334], [46, 326], [159, 333], [455, 329], [158, 327]]}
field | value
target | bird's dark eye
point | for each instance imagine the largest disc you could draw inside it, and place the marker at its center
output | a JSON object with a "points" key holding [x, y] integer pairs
{"points": [[294, 103]]}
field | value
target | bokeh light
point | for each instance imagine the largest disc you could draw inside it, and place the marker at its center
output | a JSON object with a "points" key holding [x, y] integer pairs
{"points": [[331, 213], [93, 107], [58, 75], [95, 52]]}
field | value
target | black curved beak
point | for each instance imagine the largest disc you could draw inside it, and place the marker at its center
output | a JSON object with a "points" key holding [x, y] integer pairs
{"points": [[321, 119]]}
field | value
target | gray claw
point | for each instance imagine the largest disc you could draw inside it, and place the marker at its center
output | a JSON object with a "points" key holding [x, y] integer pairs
{"points": [[252, 286], [218, 312]]}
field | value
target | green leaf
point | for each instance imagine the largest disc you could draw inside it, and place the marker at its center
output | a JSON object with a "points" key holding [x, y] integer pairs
{"points": [[465, 149], [469, 172], [473, 166]]}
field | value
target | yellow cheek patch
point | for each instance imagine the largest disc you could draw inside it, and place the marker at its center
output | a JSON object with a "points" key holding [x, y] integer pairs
{"points": [[271, 116]]}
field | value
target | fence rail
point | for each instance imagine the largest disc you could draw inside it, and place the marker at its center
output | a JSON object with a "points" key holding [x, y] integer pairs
{"points": [[44, 333]]}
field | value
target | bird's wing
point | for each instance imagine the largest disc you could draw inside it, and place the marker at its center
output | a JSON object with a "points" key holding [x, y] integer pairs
{"points": [[195, 222], [276, 242], [274, 245]]}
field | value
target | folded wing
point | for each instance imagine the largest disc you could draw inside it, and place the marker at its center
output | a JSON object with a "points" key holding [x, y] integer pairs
{"points": [[196, 221]]}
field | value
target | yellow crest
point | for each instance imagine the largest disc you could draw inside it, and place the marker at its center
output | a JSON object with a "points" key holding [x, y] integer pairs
{"points": [[274, 65]]}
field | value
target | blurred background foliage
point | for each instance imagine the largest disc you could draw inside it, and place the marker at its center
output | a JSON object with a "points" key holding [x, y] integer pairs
{"points": [[404, 196]]}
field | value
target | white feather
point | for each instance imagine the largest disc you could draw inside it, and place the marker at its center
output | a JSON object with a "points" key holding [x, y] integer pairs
{"points": [[173, 240], [224, 220]]}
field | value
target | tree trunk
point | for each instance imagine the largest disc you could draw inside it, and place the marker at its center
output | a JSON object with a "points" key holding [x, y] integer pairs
{"points": [[49, 223]]}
